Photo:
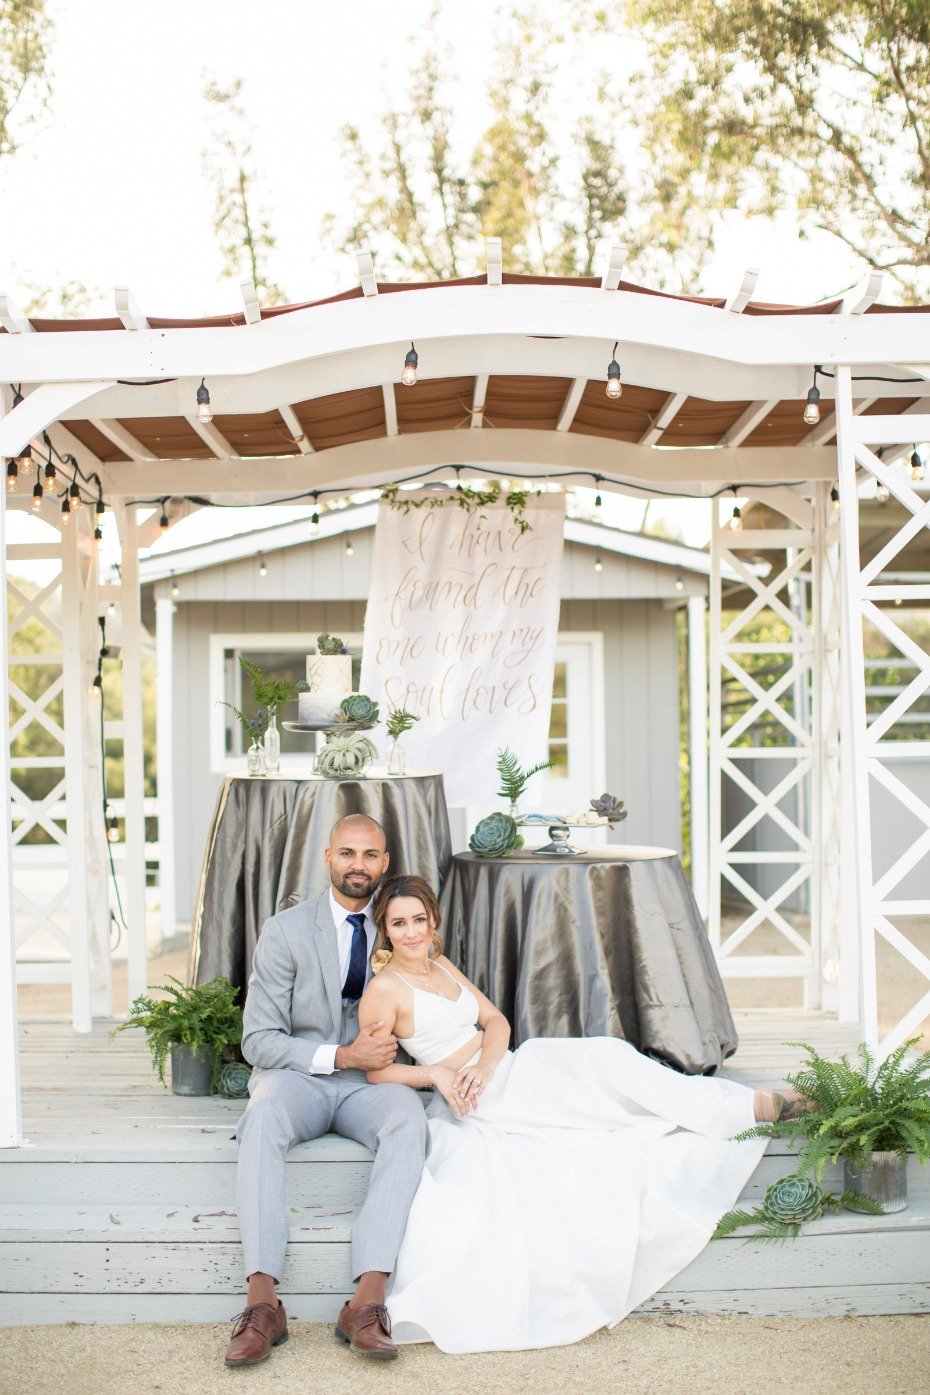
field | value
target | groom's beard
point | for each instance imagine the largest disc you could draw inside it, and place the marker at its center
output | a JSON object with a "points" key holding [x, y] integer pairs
{"points": [[358, 886]]}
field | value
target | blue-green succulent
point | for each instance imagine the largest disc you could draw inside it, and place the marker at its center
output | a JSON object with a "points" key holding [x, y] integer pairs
{"points": [[495, 836]]}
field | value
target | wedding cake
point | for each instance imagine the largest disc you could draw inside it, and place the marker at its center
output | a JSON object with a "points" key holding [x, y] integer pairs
{"points": [[329, 680]]}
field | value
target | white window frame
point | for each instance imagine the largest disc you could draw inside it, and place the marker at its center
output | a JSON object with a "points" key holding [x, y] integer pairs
{"points": [[298, 642]]}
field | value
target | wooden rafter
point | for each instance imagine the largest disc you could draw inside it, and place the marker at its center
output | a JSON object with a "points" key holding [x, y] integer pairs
{"points": [[571, 404], [478, 400], [670, 409], [292, 422], [122, 438]]}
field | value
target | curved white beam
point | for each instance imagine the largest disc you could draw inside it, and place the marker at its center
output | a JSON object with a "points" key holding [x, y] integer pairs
{"points": [[43, 406], [572, 458], [428, 315]]}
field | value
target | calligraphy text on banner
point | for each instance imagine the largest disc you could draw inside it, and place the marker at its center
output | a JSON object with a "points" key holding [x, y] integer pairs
{"points": [[461, 629]]}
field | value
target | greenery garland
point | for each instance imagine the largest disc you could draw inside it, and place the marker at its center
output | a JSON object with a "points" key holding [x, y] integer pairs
{"points": [[464, 496]]}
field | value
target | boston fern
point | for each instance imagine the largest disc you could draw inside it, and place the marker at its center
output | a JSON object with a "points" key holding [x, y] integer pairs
{"points": [[203, 1018], [860, 1108], [269, 692], [513, 777]]}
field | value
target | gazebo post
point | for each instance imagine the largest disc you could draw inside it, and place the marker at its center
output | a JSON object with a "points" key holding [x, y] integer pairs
{"points": [[858, 950], [133, 766], [697, 741], [164, 634], [10, 1111]]}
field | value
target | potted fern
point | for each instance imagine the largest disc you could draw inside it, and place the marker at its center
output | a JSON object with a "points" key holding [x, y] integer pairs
{"points": [[871, 1116], [194, 1026]]}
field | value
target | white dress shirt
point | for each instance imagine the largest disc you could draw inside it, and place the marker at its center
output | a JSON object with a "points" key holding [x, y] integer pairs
{"points": [[324, 1058]]}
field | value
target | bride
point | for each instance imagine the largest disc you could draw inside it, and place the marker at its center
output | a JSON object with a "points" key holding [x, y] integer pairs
{"points": [[566, 1181]]}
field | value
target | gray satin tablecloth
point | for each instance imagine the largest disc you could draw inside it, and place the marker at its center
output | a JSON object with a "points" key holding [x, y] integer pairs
{"points": [[609, 943], [265, 852]]}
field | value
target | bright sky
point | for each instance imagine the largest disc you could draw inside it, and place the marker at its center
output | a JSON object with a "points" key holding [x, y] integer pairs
{"points": [[109, 188]]}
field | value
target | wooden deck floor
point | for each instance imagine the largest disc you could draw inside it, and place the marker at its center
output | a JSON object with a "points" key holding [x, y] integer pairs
{"points": [[121, 1205]]}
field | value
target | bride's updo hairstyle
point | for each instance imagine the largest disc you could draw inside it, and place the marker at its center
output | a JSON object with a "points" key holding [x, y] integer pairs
{"points": [[417, 889]]}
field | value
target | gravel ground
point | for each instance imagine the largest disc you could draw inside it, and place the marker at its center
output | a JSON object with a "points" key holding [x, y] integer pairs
{"points": [[642, 1356]]}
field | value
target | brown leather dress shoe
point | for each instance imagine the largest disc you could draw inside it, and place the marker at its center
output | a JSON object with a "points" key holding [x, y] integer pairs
{"points": [[367, 1329], [257, 1330]]}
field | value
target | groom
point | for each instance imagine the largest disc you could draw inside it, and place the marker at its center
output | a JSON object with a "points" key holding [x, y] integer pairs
{"points": [[301, 1034]]}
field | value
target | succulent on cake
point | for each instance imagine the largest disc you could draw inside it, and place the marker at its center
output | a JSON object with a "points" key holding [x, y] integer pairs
{"points": [[609, 808], [358, 708], [330, 644], [345, 753], [495, 836]]}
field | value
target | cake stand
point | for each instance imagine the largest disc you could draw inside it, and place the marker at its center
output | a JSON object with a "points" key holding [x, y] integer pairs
{"points": [[559, 834]]}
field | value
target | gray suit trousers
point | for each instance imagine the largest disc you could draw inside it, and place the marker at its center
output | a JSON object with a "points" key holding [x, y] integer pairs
{"points": [[290, 1106]]}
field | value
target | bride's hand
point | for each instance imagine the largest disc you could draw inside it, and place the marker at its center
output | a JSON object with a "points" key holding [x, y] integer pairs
{"points": [[444, 1080], [472, 1081]]}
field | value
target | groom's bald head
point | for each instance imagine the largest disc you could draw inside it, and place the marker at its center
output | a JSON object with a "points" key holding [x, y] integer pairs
{"points": [[357, 857]]}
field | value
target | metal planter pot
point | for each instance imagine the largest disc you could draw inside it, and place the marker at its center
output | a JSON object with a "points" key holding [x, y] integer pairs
{"points": [[191, 1071], [884, 1180]]}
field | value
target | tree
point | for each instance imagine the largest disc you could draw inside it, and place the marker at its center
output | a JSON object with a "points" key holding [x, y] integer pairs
{"points": [[244, 231], [423, 206], [24, 30], [821, 106]]}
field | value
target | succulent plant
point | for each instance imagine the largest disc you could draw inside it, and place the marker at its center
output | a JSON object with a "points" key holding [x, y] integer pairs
{"points": [[495, 836], [609, 808], [345, 753], [330, 644], [793, 1200], [233, 1080], [358, 708]]}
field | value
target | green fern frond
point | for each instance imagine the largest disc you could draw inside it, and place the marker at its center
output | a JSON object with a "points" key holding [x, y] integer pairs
{"points": [[513, 777]]}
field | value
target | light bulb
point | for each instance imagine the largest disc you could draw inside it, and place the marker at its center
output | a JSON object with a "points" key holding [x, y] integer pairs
{"points": [[812, 410], [262, 568], [175, 588], [598, 501], [409, 376], [112, 829], [736, 522], [314, 524], [882, 492], [49, 479], [65, 512], [111, 608], [12, 477], [614, 385], [38, 494], [163, 522], [350, 550], [917, 468], [679, 582], [98, 535], [74, 496], [24, 457], [598, 564], [204, 410], [835, 499]]}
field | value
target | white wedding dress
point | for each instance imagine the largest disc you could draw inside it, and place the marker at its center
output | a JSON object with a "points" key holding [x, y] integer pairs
{"points": [[587, 1177]]}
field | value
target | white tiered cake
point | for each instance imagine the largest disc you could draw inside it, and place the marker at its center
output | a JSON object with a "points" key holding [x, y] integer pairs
{"points": [[329, 678]]}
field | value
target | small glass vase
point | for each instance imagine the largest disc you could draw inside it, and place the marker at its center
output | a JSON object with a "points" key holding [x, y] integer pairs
{"points": [[255, 758], [272, 745], [397, 758], [514, 810]]}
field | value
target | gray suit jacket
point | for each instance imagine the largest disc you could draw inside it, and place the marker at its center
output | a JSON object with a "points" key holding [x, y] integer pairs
{"points": [[294, 1002]]}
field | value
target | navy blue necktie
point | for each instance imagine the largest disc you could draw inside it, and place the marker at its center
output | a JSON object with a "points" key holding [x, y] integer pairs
{"points": [[354, 985]]}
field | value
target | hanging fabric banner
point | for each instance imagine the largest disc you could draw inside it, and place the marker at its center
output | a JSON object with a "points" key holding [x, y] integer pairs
{"points": [[461, 625]]}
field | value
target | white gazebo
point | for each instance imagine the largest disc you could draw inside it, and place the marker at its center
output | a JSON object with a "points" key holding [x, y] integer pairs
{"points": [[302, 401]]}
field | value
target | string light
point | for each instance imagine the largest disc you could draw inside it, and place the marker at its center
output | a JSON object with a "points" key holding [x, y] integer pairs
{"points": [[917, 467], [736, 520], [350, 550], [679, 582], [163, 523], [598, 564], [315, 518], [614, 385], [812, 409], [74, 496], [204, 409], [411, 362], [262, 567], [598, 501], [38, 494], [175, 588], [882, 492], [65, 511], [112, 827], [835, 498], [50, 478], [12, 477], [22, 458]]}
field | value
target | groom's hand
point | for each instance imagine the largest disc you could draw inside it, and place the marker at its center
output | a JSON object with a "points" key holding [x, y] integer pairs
{"points": [[367, 1053]]}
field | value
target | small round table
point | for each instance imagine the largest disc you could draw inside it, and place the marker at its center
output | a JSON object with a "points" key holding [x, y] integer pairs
{"points": [[608, 942], [265, 847]]}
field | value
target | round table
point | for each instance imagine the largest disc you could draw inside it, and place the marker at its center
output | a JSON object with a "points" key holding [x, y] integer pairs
{"points": [[606, 943], [265, 852]]}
